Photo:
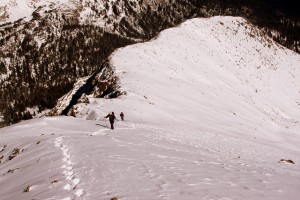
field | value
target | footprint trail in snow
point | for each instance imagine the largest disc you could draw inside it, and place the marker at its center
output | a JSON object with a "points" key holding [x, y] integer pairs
{"points": [[68, 171]]}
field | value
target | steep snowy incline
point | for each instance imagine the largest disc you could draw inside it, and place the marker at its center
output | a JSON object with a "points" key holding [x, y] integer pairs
{"points": [[219, 75], [212, 107], [217, 84]]}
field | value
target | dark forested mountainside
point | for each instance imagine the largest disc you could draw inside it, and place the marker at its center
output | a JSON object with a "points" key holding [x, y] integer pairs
{"points": [[41, 59]]}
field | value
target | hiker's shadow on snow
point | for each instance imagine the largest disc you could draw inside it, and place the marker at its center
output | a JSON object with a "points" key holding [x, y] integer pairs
{"points": [[102, 125]]}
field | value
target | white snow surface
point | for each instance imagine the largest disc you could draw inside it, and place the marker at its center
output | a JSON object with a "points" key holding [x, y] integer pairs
{"points": [[211, 108], [13, 10]]}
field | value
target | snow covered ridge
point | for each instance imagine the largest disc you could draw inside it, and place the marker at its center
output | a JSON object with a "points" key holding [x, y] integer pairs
{"points": [[88, 11], [124, 17], [52, 27], [13, 10], [103, 13], [83, 26], [211, 112]]}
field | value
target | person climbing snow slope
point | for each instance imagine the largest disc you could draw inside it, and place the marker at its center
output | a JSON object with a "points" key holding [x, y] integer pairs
{"points": [[111, 117]]}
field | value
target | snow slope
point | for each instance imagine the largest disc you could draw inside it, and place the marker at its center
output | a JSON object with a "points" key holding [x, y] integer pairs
{"points": [[12, 10], [211, 108]]}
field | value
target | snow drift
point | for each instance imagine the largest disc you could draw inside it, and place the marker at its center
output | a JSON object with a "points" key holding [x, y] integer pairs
{"points": [[212, 108]]}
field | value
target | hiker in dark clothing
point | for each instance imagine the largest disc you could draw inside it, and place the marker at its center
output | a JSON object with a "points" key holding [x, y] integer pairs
{"points": [[122, 116], [111, 117]]}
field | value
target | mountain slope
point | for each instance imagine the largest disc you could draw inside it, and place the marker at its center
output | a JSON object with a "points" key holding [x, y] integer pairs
{"points": [[58, 45], [211, 108], [46, 46], [215, 64]]}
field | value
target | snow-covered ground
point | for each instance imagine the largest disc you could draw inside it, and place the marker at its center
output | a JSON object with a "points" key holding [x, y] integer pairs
{"points": [[211, 108], [13, 10]]}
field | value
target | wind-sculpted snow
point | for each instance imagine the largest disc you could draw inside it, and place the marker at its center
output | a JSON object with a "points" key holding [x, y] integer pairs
{"points": [[211, 112]]}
